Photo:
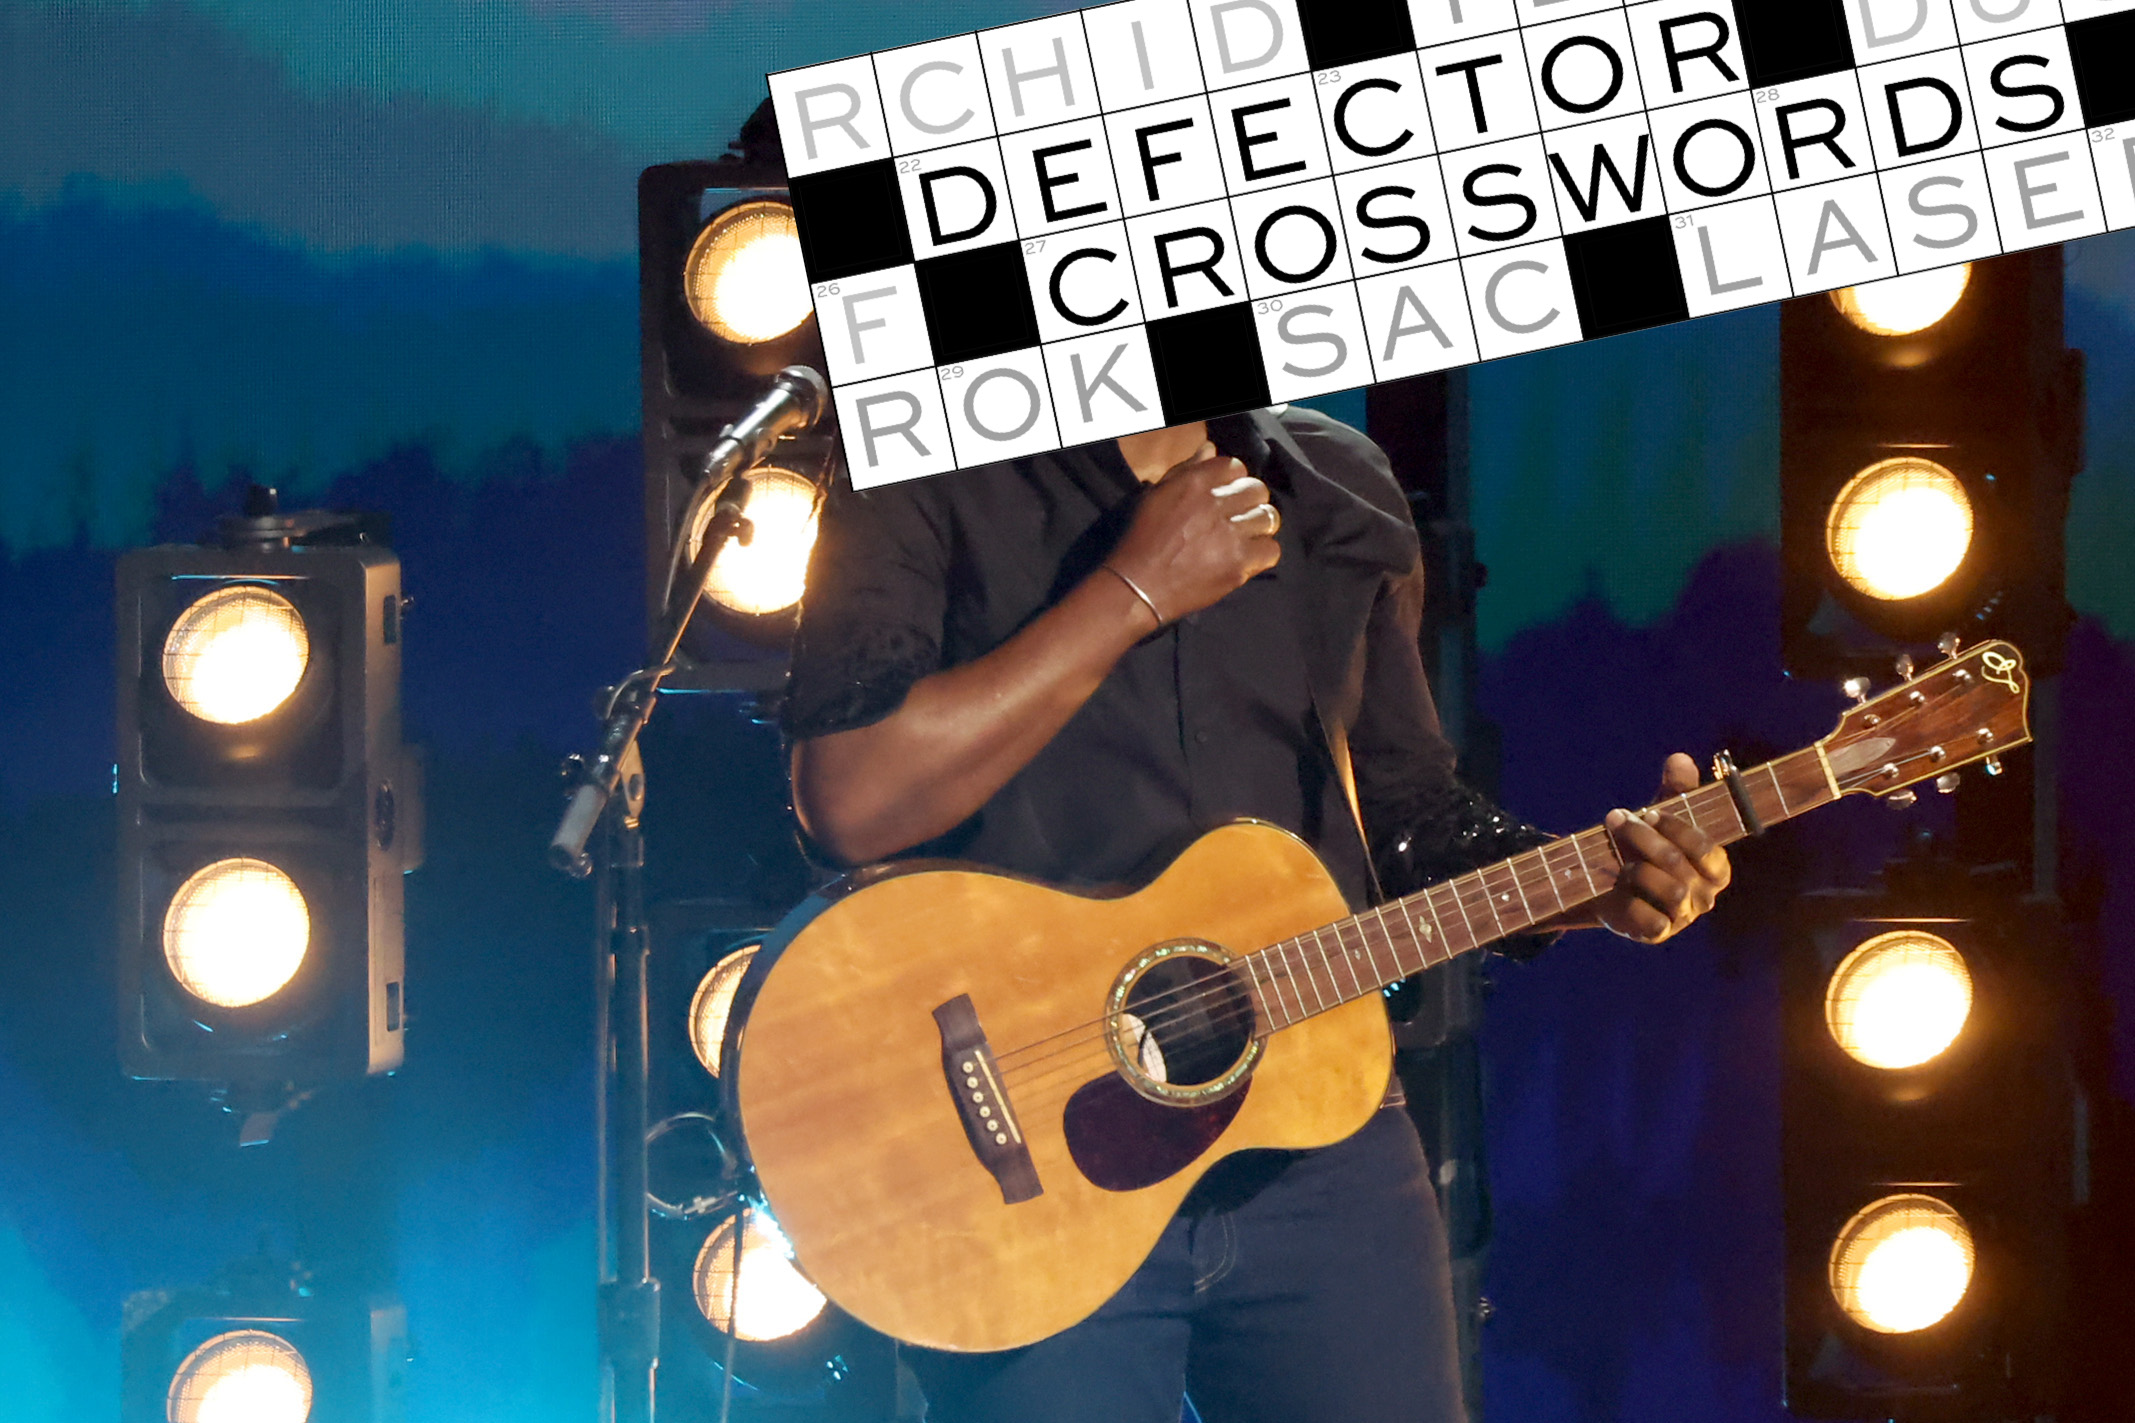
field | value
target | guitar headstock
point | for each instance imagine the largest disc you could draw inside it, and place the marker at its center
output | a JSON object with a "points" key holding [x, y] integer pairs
{"points": [[1964, 709]]}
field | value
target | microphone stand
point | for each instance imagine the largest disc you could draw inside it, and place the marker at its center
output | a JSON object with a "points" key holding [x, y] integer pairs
{"points": [[610, 795]]}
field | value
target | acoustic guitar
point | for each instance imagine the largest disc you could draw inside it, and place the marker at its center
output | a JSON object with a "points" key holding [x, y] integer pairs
{"points": [[973, 1101]]}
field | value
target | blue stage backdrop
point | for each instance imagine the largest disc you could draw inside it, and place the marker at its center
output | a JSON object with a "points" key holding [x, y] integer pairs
{"points": [[381, 254]]}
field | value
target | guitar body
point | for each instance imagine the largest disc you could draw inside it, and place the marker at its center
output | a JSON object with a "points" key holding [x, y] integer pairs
{"points": [[845, 1095]]}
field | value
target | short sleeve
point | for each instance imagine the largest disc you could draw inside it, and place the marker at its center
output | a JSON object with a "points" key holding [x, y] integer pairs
{"points": [[871, 620]]}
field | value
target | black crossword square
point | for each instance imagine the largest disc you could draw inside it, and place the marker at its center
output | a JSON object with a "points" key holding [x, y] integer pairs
{"points": [[1208, 363], [2103, 51], [977, 303], [1785, 40], [1339, 32], [1625, 277], [851, 220]]}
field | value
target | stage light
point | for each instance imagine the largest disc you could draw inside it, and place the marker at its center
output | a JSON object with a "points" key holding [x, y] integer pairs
{"points": [[1899, 999], [743, 277], [712, 1002], [1899, 528], [236, 932], [1901, 306], [773, 1299], [1902, 1264], [768, 573], [244, 1376], [236, 654], [267, 807]]}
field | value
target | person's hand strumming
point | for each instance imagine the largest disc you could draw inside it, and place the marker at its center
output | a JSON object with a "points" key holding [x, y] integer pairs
{"points": [[1200, 532]]}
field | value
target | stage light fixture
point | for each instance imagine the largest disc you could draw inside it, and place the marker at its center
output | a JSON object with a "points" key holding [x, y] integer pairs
{"points": [[711, 1005], [1930, 428], [1901, 1264], [236, 654], [1899, 528], [772, 1300], [236, 932], [267, 807], [244, 1376], [744, 278], [769, 573], [1903, 306], [1899, 1000]]}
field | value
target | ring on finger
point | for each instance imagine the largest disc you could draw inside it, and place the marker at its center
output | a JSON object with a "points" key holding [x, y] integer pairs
{"points": [[1274, 518]]}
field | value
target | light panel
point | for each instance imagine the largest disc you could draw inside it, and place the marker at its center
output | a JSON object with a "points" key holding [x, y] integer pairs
{"points": [[1902, 1264], [712, 1004], [244, 1376], [1899, 528], [1902, 306], [773, 1299], [769, 573], [1899, 999], [236, 654], [236, 932], [744, 279]]}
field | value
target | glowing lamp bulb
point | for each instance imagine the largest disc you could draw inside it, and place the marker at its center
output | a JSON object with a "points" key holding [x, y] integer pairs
{"points": [[246, 1376], [1902, 1264], [743, 277], [236, 932], [1899, 999], [770, 572], [236, 654], [712, 1004], [1899, 528], [1901, 306], [771, 1299]]}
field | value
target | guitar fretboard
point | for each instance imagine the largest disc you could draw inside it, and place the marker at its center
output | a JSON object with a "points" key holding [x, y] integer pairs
{"points": [[1343, 961]]}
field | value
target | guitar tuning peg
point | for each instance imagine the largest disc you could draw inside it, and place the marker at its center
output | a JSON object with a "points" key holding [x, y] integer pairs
{"points": [[1904, 664], [1855, 687], [1947, 644], [1898, 800], [1992, 765], [1946, 782]]}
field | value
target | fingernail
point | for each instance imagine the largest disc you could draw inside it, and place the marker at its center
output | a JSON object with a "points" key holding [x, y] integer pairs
{"points": [[1615, 818]]}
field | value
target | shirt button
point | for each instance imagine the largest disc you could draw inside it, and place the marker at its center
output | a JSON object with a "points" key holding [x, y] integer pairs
{"points": [[1200, 738]]}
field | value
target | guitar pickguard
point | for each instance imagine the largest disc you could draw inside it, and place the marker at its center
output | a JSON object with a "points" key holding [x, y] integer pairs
{"points": [[1122, 1141]]}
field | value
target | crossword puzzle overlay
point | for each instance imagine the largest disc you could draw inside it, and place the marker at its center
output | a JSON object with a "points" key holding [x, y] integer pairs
{"points": [[1153, 212]]}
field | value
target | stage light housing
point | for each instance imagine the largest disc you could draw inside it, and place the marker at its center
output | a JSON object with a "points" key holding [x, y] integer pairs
{"points": [[244, 1376], [1930, 428], [1899, 1000], [1904, 306], [723, 306], [771, 1299], [712, 1005], [743, 278], [1899, 529], [262, 1345], [236, 654], [267, 806], [236, 932], [1901, 1264]]}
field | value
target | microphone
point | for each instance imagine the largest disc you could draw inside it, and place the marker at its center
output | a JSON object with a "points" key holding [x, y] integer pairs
{"points": [[795, 401]]}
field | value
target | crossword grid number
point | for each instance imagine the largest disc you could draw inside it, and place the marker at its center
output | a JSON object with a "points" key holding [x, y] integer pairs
{"points": [[1151, 212]]}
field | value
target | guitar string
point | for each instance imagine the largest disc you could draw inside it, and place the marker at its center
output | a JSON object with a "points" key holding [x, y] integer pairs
{"points": [[1272, 966], [1521, 869], [1188, 996], [1530, 870]]}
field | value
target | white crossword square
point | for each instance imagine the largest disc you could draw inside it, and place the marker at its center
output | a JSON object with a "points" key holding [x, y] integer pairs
{"points": [[1730, 256], [1835, 235], [1104, 386], [1940, 212], [894, 429], [1396, 216], [1417, 321], [1521, 300], [2044, 191], [1313, 342]]}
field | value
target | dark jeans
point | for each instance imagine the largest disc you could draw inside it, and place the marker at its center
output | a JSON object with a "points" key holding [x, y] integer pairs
{"points": [[1305, 1287]]}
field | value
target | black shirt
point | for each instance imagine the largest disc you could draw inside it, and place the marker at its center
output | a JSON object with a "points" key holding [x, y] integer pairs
{"points": [[1212, 718]]}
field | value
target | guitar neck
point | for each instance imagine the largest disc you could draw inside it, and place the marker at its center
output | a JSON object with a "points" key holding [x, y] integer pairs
{"points": [[1343, 961]]}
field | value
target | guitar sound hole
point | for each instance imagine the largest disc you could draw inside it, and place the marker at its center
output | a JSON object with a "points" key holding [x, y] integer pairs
{"points": [[1187, 1021]]}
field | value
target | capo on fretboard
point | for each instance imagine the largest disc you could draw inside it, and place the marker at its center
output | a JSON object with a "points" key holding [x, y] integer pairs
{"points": [[1723, 769]]}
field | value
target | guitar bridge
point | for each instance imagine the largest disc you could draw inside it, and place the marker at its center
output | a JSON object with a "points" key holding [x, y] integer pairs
{"points": [[982, 1104]]}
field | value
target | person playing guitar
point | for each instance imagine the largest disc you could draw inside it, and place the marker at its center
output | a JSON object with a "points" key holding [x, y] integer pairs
{"points": [[1067, 667]]}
